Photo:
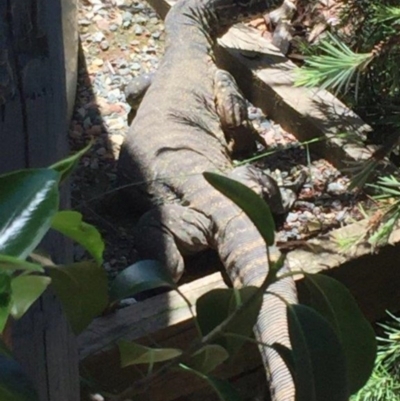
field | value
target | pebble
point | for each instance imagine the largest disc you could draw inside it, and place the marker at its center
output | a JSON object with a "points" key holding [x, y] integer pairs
{"points": [[104, 45], [127, 16], [292, 217], [136, 66], [336, 188], [98, 37], [138, 30]]}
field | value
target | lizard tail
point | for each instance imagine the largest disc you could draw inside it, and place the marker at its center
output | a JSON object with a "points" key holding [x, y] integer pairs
{"points": [[243, 252]]}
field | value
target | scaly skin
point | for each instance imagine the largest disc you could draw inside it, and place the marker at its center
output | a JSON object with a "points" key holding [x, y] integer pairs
{"points": [[176, 136]]}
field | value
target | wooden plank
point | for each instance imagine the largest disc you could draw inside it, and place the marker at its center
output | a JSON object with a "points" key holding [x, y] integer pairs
{"points": [[266, 78], [165, 320], [33, 133]]}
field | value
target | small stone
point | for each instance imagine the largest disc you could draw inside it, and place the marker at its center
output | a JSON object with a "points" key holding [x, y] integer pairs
{"points": [[124, 71], [81, 111], [113, 27], [138, 30], [292, 217], [136, 66], [104, 45], [98, 37], [127, 16], [140, 20], [336, 188], [138, 7]]}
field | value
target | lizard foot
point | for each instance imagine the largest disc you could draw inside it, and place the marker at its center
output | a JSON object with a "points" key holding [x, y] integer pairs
{"points": [[232, 111], [170, 231]]}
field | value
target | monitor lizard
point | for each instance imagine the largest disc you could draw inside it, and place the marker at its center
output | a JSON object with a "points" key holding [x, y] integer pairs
{"points": [[179, 132]]}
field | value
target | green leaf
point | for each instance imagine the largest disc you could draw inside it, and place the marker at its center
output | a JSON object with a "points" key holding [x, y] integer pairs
{"points": [[253, 205], [70, 224], [82, 289], [318, 357], [134, 354], [29, 199], [222, 388], [25, 291], [66, 166], [223, 302], [141, 276], [5, 299], [334, 301], [14, 384], [207, 358], [10, 263]]}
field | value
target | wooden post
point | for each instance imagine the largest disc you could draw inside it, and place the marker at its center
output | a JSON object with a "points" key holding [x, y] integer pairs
{"points": [[33, 133]]}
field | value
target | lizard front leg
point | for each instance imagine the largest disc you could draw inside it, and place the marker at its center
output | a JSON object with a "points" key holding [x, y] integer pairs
{"points": [[168, 232], [231, 108]]}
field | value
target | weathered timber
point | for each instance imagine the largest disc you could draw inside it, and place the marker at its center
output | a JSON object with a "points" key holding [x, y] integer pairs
{"points": [[33, 133], [266, 78], [165, 320]]}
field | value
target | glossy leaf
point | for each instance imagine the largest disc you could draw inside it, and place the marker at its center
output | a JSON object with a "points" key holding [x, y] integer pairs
{"points": [[5, 299], [12, 263], [207, 358], [334, 301], [253, 205], [29, 199], [134, 354], [82, 289], [141, 276], [70, 224], [222, 388], [25, 291], [318, 357], [14, 384], [67, 165], [223, 302]]}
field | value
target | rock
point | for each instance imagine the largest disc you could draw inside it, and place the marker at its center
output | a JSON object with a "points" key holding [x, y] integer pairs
{"points": [[136, 66], [138, 30], [98, 37], [104, 45], [336, 188]]}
